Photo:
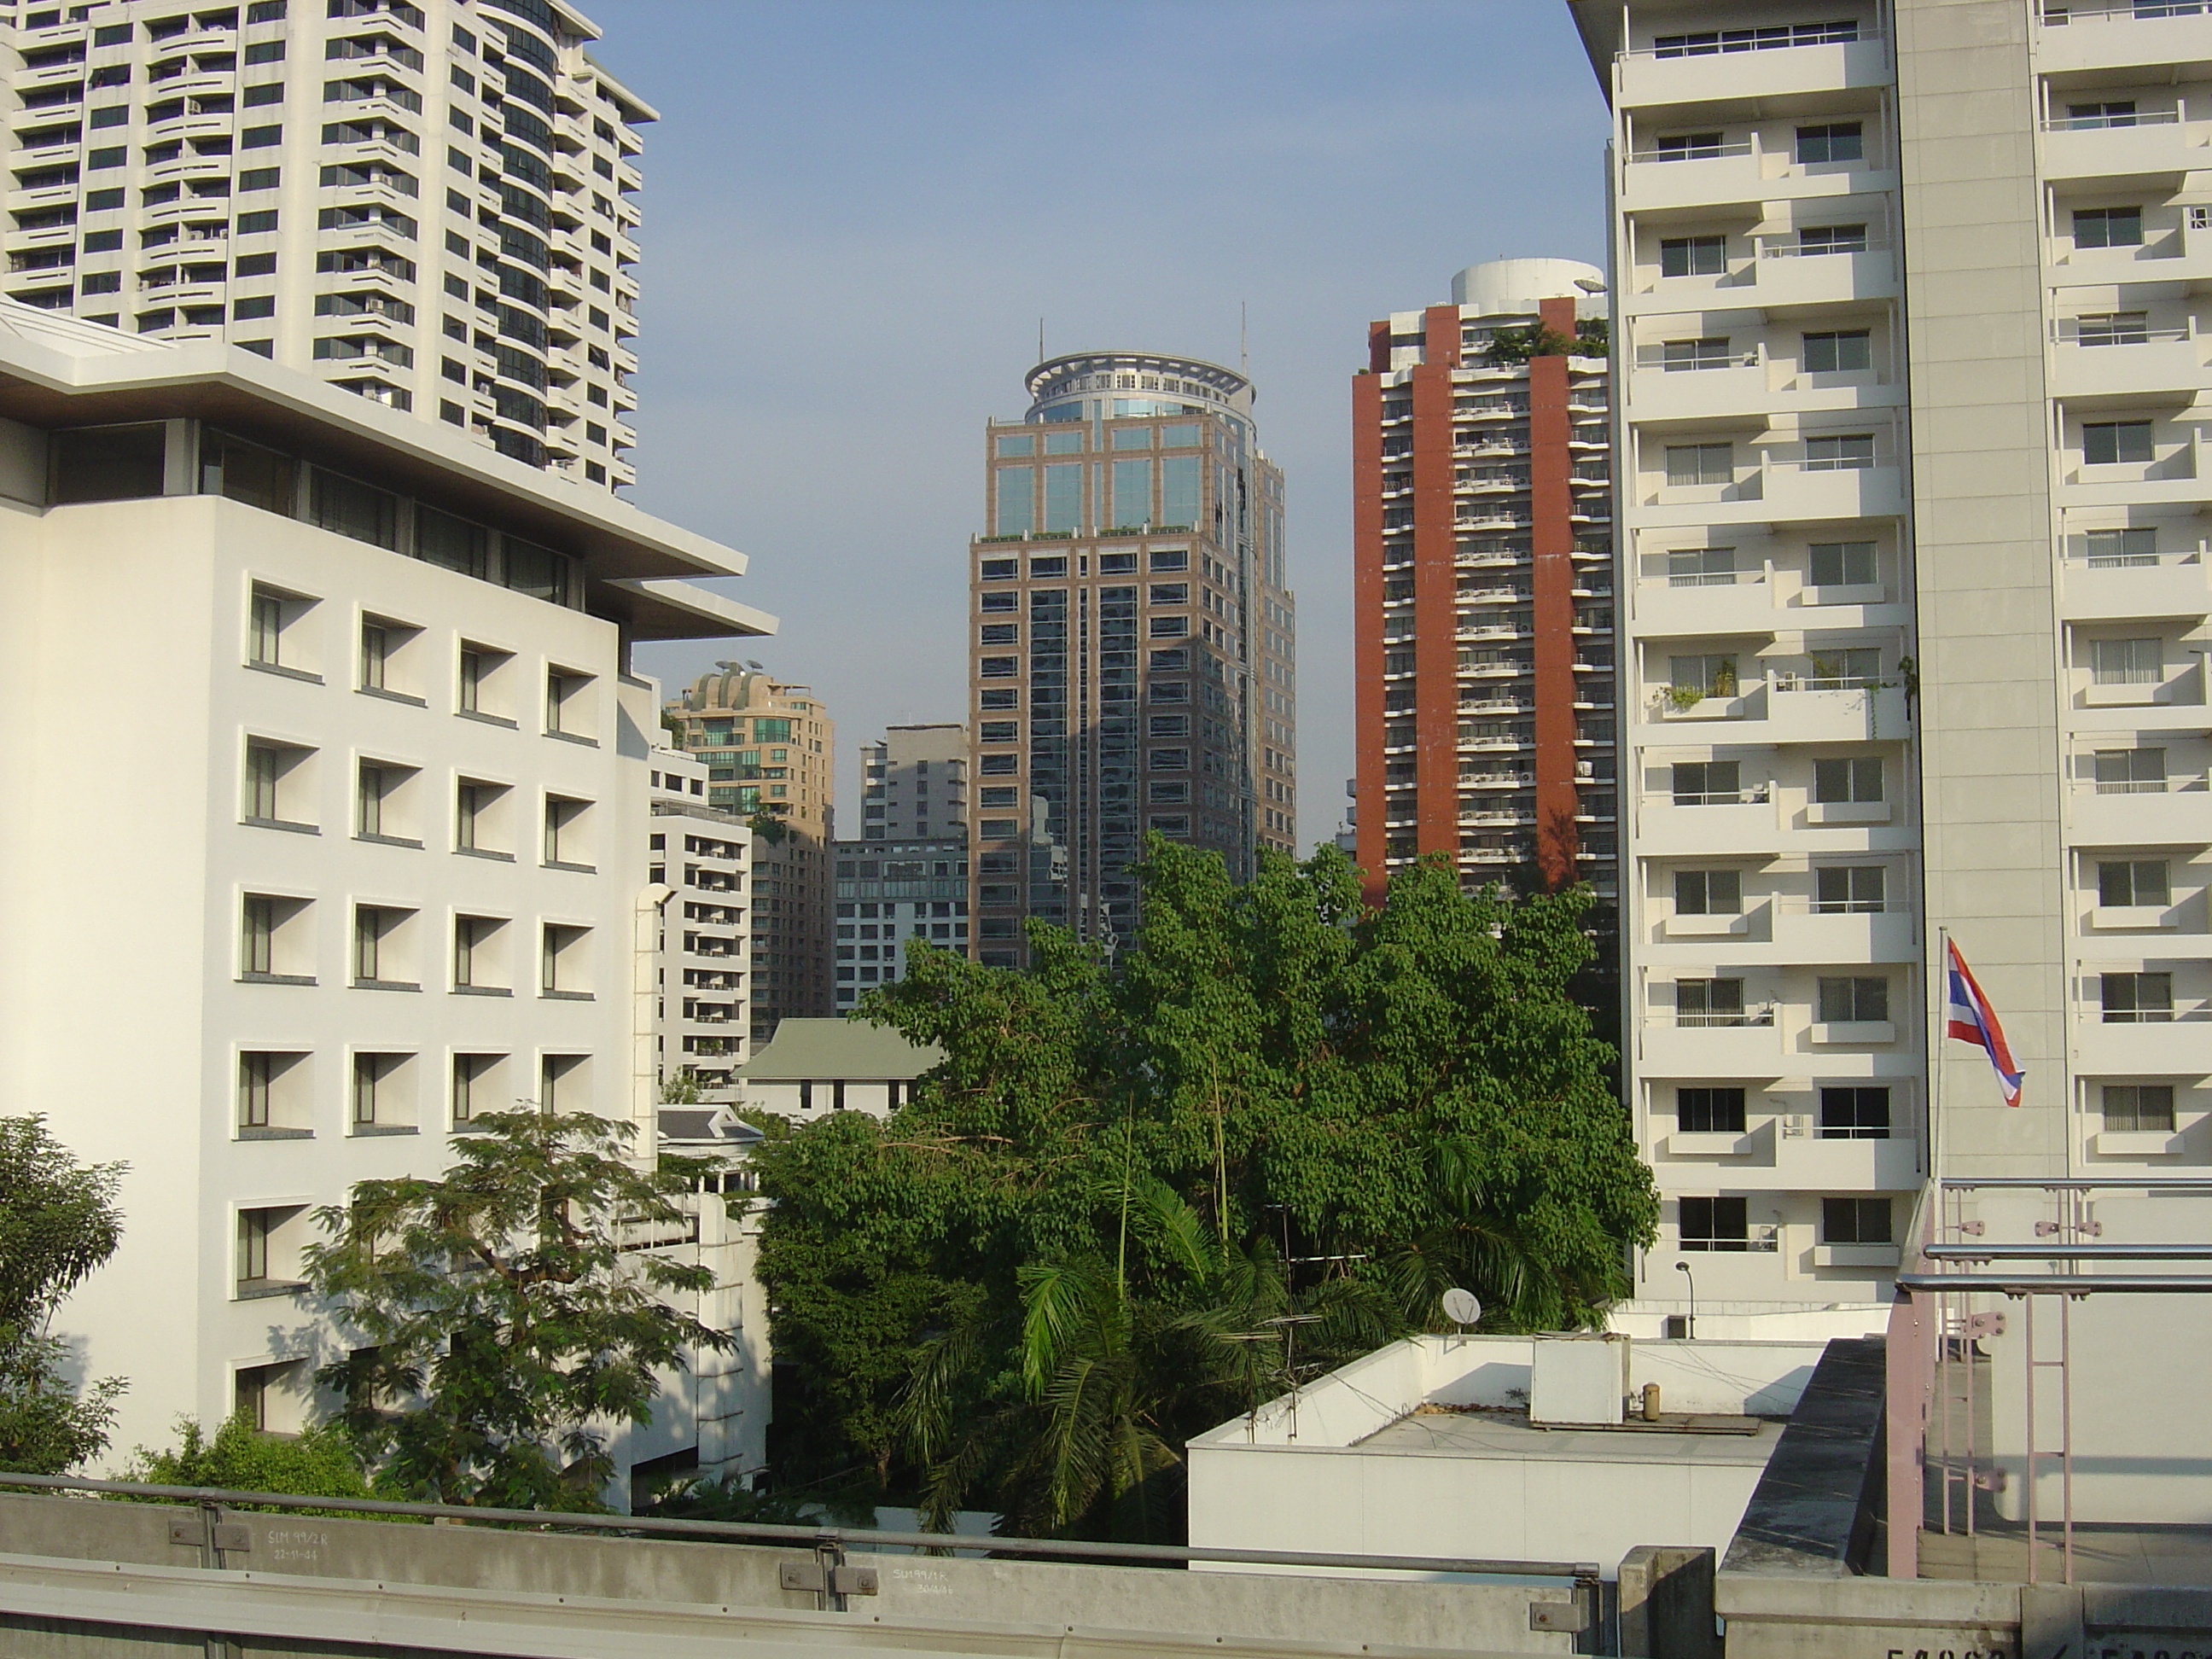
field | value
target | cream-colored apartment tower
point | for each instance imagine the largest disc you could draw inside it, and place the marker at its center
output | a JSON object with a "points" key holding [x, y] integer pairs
{"points": [[1910, 302], [429, 205]]}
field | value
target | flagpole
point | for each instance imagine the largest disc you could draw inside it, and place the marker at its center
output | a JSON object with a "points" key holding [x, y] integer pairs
{"points": [[1942, 988]]}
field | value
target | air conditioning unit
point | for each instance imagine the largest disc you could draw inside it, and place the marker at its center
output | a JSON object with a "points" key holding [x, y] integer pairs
{"points": [[1797, 1123]]}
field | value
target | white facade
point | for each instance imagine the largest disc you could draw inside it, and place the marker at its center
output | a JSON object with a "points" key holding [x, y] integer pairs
{"points": [[697, 857], [1914, 533], [813, 1067], [427, 204], [914, 783], [890, 894], [378, 859]]}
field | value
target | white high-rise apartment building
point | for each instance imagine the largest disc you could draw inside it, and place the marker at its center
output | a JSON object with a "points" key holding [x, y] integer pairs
{"points": [[1910, 302], [427, 204], [697, 857], [913, 783], [370, 859]]}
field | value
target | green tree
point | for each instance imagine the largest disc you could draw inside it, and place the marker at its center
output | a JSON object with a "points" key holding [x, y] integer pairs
{"points": [[507, 1318], [1129, 1205], [58, 1223], [321, 1461]]}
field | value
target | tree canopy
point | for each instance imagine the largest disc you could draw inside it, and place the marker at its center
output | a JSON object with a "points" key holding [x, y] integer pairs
{"points": [[1130, 1202], [58, 1223], [510, 1312]]}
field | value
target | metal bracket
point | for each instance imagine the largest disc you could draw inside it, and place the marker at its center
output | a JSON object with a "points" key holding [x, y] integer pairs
{"points": [[211, 1535], [1971, 1229], [1986, 1324], [1571, 1617], [828, 1575]]}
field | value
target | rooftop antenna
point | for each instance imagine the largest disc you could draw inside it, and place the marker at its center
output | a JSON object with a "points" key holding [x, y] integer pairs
{"points": [[1243, 353], [1040, 339]]}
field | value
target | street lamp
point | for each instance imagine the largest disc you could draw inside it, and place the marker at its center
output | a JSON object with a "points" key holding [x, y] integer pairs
{"points": [[1690, 1330]]}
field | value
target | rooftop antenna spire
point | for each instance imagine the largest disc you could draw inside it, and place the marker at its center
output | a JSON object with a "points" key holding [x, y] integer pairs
{"points": [[1040, 339], [1243, 351]]}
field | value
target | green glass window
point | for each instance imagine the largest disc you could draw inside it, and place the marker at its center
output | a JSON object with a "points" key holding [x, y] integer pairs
{"points": [[1132, 492], [1179, 488], [352, 509], [1015, 514], [1133, 437], [1173, 437], [454, 544], [1017, 443], [777, 730], [1066, 442], [1063, 497]]}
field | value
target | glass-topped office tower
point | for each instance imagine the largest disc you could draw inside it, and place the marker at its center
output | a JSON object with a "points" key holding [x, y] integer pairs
{"points": [[1132, 652]]}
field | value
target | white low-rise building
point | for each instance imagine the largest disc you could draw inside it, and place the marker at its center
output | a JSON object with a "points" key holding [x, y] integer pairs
{"points": [[811, 1066], [377, 863]]}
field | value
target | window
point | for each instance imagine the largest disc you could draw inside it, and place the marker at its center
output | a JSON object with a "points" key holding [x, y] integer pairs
{"points": [[1709, 1111], [376, 1090], [1837, 141], [242, 472], [1014, 496], [1170, 558], [475, 807], [2121, 550], [561, 961], [275, 944], [1701, 464], [1856, 999], [1709, 352], [1709, 1002], [1838, 352], [566, 824], [1711, 676], [268, 1254], [107, 462], [1701, 567], [1693, 256], [2119, 226], [1708, 892], [1690, 146], [2112, 328], [1850, 451], [1764, 38], [265, 629], [561, 1082], [2111, 112], [2113, 443], [1832, 239], [567, 702], [1001, 633], [1857, 778], [1854, 1221], [263, 1095], [1847, 890], [274, 774], [376, 935], [2136, 999], [374, 818], [2124, 662], [1714, 1223], [2130, 771], [1707, 783], [1841, 564], [451, 544], [2138, 1108], [348, 508], [1170, 593], [2133, 883], [1854, 1113], [473, 1089], [1063, 494]]}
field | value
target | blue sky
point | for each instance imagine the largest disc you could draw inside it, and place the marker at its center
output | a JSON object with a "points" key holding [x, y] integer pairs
{"points": [[857, 209]]}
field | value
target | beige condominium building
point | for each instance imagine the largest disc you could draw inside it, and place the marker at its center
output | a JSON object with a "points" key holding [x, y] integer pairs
{"points": [[768, 748], [1132, 644], [698, 867], [1910, 303], [428, 204], [913, 783]]}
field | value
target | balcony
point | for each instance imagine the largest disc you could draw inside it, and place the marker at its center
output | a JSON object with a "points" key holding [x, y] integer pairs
{"points": [[1798, 488], [1739, 602], [1712, 1051], [2154, 147], [2181, 1047], [1806, 1161], [2102, 34], [1646, 77], [1808, 935], [1816, 711], [1743, 824], [2159, 585], [1782, 274], [2176, 811], [2165, 365]]}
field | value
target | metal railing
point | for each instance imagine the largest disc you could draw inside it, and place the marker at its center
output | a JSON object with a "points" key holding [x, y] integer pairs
{"points": [[813, 1537]]}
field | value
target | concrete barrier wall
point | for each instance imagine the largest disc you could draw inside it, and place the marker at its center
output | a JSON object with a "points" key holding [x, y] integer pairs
{"points": [[1199, 1607]]}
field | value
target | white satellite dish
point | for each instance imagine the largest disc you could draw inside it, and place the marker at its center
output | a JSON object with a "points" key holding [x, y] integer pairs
{"points": [[1461, 1308]]}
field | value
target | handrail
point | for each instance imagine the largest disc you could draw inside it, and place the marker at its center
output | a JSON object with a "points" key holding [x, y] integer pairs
{"points": [[2055, 1284], [2079, 1183], [2060, 1252], [857, 1537]]}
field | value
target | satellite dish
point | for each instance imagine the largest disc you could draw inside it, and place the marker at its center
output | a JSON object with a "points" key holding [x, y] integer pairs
{"points": [[1461, 1308]]}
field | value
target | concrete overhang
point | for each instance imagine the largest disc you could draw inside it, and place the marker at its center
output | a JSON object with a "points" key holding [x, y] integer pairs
{"points": [[62, 372], [679, 610], [1600, 24]]}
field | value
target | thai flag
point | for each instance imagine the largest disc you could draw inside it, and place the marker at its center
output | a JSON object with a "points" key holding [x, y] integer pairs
{"points": [[1973, 1020]]}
